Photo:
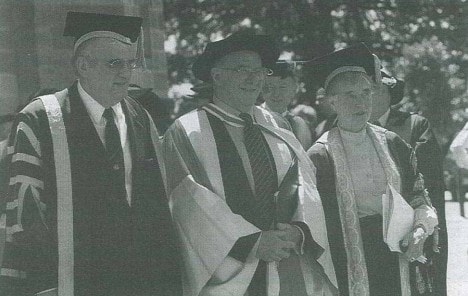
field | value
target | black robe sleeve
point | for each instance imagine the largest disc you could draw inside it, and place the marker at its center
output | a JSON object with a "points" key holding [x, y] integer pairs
{"points": [[326, 187]]}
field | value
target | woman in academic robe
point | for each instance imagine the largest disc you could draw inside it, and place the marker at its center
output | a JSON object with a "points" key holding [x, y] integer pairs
{"points": [[357, 163]]}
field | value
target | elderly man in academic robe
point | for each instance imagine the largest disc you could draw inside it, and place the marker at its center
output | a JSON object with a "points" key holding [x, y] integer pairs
{"points": [[357, 164], [416, 131], [241, 188], [88, 213]]}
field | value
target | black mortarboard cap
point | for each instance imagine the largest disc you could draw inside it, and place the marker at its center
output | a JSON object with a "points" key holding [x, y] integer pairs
{"points": [[203, 89], [286, 68], [82, 26], [283, 69], [264, 45], [357, 58], [396, 87]]}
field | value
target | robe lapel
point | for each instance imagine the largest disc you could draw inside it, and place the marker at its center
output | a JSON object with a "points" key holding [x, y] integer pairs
{"points": [[88, 155], [135, 131], [146, 173], [82, 129]]}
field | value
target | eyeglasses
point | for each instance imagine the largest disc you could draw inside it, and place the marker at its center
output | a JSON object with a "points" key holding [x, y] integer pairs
{"points": [[249, 71], [119, 64]]}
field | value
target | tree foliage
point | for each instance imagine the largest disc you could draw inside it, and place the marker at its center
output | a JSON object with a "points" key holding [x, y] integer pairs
{"points": [[422, 41]]}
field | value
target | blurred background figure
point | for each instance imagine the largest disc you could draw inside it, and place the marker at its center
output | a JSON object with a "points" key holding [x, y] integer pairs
{"points": [[279, 91], [309, 114], [326, 114], [416, 131], [458, 155], [459, 148], [160, 109], [202, 94]]}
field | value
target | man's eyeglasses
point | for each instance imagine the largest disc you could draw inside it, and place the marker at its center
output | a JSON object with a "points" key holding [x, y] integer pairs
{"points": [[249, 71], [119, 64]]}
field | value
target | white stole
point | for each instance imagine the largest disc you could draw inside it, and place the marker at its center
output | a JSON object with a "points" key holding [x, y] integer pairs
{"points": [[190, 201]]}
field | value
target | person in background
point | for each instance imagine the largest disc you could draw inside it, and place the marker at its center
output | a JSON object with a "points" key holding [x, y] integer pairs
{"points": [[160, 109], [241, 188], [119, 239], [278, 92], [459, 148], [309, 114], [356, 164], [326, 114], [416, 131], [202, 95]]}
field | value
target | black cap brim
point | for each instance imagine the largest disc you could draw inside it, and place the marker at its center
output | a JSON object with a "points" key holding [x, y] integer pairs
{"points": [[80, 23], [262, 44], [357, 55]]}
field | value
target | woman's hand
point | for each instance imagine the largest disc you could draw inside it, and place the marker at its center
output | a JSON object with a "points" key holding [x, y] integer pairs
{"points": [[414, 244]]}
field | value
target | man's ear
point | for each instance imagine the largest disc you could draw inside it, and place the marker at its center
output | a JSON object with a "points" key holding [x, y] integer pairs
{"points": [[331, 99], [82, 65]]}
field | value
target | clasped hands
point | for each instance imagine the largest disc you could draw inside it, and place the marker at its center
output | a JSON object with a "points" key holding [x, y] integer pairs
{"points": [[277, 244]]}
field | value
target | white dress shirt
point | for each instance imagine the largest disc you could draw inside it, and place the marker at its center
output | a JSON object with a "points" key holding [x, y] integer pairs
{"points": [[367, 172], [95, 111]]}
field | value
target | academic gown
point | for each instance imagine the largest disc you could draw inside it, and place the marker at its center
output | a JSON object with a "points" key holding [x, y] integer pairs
{"points": [[412, 189], [213, 212], [119, 249], [298, 126], [417, 132]]}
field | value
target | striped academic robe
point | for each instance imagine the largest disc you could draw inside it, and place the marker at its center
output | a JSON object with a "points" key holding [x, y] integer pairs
{"points": [[216, 214], [119, 249]]}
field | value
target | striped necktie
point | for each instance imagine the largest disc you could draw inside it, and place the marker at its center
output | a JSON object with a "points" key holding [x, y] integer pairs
{"points": [[376, 122], [263, 166]]}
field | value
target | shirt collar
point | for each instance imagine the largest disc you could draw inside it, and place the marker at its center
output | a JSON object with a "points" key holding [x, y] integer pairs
{"points": [[352, 137], [228, 109], [95, 110], [227, 117], [384, 118], [284, 114]]}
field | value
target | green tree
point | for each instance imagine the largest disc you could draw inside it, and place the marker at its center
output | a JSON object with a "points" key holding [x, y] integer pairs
{"points": [[420, 40]]}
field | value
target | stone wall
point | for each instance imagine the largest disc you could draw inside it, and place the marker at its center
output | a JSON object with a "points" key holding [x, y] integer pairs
{"points": [[34, 54]]}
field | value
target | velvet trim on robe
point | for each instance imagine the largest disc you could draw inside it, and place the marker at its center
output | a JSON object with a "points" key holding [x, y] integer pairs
{"points": [[412, 189], [208, 227], [416, 131], [136, 243]]}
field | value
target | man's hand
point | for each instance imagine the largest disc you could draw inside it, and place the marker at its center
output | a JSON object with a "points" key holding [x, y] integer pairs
{"points": [[293, 234], [414, 241], [273, 246]]}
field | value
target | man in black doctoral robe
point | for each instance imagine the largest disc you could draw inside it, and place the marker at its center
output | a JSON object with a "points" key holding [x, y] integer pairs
{"points": [[124, 242], [416, 131]]}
